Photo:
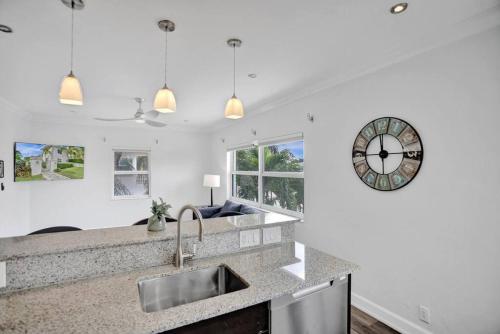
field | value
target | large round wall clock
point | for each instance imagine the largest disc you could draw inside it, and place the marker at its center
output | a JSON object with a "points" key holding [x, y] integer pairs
{"points": [[387, 153]]}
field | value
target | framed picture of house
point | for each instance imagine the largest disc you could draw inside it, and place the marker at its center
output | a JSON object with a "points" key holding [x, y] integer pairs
{"points": [[42, 162]]}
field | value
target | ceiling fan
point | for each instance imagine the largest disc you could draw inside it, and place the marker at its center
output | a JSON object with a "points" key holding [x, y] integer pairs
{"points": [[140, 116]]}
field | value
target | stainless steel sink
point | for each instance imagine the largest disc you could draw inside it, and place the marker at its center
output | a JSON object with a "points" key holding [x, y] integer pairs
{"points": [[168, 291]]}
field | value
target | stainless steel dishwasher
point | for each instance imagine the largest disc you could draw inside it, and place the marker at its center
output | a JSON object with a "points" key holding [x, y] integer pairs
{"points": [[321, 309]]}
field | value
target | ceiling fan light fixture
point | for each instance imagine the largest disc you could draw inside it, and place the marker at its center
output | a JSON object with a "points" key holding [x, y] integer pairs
{"points": [[164, 101], [140, 116], [234, 108], [71, 91]]}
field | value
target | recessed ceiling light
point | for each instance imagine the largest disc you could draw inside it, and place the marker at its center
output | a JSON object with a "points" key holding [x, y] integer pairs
{"points": [[399, 8], [6, 29], [252, 75]]}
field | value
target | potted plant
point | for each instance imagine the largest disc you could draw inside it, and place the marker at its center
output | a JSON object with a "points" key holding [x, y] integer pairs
{"points": [[159, 210]]}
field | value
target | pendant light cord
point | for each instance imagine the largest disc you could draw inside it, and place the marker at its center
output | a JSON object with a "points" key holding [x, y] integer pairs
{"points": [[72, 33], [234, 70], [166, 44]]}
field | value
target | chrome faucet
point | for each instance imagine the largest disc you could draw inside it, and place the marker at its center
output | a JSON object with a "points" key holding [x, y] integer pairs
{"points": [[179, 257]]}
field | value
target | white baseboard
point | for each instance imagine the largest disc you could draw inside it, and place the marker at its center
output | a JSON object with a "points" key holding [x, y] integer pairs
{"points": [[387, 317]]}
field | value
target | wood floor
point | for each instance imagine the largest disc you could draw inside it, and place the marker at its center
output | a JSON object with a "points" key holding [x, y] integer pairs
{"points": [[362, 323]]}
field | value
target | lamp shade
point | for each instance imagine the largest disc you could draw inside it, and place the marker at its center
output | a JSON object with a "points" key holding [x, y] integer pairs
{"points": [[234, 108], [211, 181], [164, 100], [71, 91]]}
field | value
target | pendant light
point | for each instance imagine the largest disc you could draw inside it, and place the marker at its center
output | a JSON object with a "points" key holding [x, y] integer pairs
{"points": [[71, 91], [165, 100], [234, 106]]}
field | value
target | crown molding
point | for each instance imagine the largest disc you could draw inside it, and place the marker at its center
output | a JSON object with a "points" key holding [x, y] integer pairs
{"points": [[13, 109], [479, 23]]}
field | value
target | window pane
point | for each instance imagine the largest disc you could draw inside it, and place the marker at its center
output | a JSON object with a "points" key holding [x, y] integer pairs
{"points": [[247, 159], [131, 161], [284, 192], [132, 185], [245, 187], [287, 157]]}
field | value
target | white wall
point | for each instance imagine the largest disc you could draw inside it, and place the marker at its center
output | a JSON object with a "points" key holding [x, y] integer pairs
{"points": [[178, 163], [15, 199], [436, 241], [177, 167]]}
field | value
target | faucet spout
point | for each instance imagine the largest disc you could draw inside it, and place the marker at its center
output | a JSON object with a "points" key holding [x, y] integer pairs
{"points": [[179, 256]]}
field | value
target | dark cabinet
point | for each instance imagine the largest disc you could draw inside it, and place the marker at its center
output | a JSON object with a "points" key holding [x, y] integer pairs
{"points": [[251, 320]]}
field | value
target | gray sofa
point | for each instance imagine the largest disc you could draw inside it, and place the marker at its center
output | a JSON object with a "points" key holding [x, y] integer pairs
{"points": [[229, 208]]}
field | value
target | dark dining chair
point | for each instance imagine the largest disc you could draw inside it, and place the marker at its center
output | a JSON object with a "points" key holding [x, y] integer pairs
{"points": [[55, 229]]}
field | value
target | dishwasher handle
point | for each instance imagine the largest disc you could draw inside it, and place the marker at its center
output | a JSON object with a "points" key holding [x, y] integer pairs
{"points": [[283, 301], [307, 291]]}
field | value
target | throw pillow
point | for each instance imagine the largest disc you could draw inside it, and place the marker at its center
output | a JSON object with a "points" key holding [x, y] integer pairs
{"points": [[231, 206]]}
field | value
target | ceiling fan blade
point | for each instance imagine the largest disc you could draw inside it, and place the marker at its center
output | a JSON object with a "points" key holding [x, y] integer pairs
{"points": [[151, 114], [113, 119], [155, 124]]}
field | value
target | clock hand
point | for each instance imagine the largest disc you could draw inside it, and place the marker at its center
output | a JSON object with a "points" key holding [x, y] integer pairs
{"points": [[383, 168], [387, 153], [381, 137]]}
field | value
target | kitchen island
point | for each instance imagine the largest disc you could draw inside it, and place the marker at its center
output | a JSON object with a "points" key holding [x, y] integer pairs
{"points": [[111, 304]]}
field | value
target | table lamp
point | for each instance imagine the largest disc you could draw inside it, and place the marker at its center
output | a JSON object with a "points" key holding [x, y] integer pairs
{"points": [[211, 181]]}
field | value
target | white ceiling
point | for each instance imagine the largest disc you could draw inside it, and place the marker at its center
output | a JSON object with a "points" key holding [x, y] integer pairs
{"points": [[294, 46]]}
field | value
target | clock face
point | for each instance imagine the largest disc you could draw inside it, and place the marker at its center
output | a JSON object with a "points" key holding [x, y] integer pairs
{"points": [[387, 153]]}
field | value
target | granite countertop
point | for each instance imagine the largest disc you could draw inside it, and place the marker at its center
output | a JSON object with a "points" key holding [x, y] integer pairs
{"points": [[41, 244], [111, 304]]}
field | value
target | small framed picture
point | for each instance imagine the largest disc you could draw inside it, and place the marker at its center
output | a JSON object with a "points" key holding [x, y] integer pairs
{"points": [[1, 169]]}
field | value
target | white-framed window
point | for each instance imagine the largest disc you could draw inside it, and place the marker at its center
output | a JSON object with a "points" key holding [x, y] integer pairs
{"points": [[131, 174], [269, 175]]}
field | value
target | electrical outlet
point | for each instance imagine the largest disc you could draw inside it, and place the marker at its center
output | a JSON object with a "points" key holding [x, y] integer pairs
{"points": [[271, 235], [249, 238], [424, 314], [3, 274]]}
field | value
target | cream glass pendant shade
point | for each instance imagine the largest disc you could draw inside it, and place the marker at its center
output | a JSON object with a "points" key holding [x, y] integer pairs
{"points": [[71, 91], [164, 100], [234, 108]]}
